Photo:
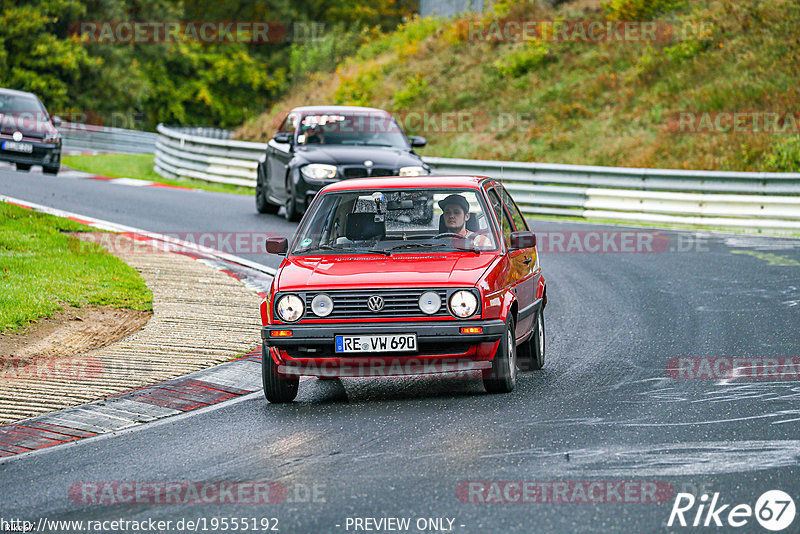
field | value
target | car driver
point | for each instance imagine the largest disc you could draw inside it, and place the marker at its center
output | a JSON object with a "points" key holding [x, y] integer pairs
{"points": [[455, 210]]}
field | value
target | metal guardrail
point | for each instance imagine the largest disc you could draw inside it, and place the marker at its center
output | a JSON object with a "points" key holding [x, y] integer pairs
{"points": [[180, 153], [744, 200], [76, 136]]}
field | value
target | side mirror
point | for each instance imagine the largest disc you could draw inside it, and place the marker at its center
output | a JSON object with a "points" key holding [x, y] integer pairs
{"points": [[282, 137], [522, 240], [418, 141], [56, 121], [277, 245]]}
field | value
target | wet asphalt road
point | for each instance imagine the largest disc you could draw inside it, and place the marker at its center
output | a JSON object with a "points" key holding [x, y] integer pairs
{"points": [[605, 408]]}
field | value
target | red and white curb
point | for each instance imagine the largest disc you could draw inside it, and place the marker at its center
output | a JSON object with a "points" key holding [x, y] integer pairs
{"points": [[190, 392], [126, 410]]}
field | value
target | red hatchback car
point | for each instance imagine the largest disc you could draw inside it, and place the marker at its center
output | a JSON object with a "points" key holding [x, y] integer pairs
{"points": [[400, 276]]}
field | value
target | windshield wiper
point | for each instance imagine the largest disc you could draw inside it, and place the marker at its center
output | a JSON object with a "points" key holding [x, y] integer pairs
{"points": [[433, 245], [348, 249]]}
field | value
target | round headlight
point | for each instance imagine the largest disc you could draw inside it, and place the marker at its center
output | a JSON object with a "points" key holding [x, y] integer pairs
{"points": [[322, 305], [290, 308], [430, 302], [463, 303]]}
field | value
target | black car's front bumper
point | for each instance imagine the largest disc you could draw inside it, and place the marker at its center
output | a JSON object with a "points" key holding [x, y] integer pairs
{"points": [[48, 154]]}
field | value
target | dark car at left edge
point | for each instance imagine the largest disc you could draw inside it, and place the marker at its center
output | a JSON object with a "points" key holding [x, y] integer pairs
{"points": [[28, 135], [319, 145]]}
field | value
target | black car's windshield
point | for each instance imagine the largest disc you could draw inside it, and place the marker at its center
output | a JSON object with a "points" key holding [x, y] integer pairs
{"points": [[356, 129], [395, 222], [12, 104]]}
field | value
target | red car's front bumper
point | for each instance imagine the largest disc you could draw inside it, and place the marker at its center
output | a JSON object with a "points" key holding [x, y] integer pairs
{"points": [[442, 347]]}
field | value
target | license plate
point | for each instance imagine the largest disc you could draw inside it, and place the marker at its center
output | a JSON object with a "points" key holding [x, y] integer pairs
{"points": [[384, 343], [17, 147]]}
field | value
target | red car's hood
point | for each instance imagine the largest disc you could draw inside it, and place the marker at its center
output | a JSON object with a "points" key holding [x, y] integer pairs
{"points": [[367, 271]]}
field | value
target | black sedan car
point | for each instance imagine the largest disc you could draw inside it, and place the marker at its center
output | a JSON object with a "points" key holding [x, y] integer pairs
{"points": [[28, 135], [319, 145]]}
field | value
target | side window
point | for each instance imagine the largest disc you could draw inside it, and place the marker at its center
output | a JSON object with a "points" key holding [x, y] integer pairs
{"points": [[519, 220], [289, 124], [502, 217]]}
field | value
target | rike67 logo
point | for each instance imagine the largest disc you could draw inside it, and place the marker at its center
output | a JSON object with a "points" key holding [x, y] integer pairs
{"points": [[774, 510]]}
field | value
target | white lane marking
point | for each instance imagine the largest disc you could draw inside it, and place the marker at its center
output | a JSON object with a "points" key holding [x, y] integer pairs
{"points": [[130, 182]]}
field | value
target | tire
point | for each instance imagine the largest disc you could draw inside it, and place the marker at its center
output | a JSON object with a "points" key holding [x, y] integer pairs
{"points": [[262, 204], [24, 167], [293, 213], [531, 353], [277, 389], [503, 376], [51, 170]]}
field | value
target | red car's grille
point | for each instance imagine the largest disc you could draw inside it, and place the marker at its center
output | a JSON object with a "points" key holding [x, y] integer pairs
{"points": [[396, 303]]}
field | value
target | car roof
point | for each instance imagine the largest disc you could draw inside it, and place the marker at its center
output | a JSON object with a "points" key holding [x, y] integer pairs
{"points": [[406, 182], [3, 90], [307, 110]]}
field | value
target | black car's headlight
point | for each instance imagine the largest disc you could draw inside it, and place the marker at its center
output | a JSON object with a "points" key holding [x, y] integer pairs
{"points": [[412, 171], [463, 303], [51, 137], [318, 171], [290, 308]]}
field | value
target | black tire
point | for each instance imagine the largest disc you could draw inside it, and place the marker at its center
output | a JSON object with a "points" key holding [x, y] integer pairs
{"points": [[47, 169], [24, 167], [531, 353], [277, 389], [503, 376], [262, 192], [293, 213]]}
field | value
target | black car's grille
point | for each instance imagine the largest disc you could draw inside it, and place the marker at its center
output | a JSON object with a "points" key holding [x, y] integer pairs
{"points": [[363, 172], [396, 303]]}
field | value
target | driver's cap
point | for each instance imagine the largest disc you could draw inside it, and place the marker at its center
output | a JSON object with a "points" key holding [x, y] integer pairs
{"points": [[455, 199]]}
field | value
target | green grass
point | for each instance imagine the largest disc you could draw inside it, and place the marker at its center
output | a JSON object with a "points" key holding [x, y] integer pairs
{"points": [[140, 167], [42, 269]]}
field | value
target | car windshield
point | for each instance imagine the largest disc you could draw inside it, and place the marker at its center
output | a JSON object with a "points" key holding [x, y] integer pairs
{"points": [[357, 129], [395, 221], [11, 104]]}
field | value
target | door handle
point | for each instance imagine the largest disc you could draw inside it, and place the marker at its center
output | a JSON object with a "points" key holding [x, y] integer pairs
{"points": [[527, 261]]}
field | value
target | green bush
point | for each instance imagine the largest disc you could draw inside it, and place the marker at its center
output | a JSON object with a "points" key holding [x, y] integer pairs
{"points": [[531, 55], [785, 156], [415, 87], [639, 9]]}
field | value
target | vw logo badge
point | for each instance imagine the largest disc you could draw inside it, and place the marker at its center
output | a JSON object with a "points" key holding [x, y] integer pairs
{"points": [[368, 163], [375, 303], [17, 136]]}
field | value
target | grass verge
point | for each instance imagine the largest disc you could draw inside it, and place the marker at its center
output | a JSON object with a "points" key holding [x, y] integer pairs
{"points": [[140, 167], [43, 269]]}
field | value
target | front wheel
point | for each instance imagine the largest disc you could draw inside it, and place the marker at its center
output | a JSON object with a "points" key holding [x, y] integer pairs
{"points": [[263, 204], [47, 169], [277, 388], [503, 376]]}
